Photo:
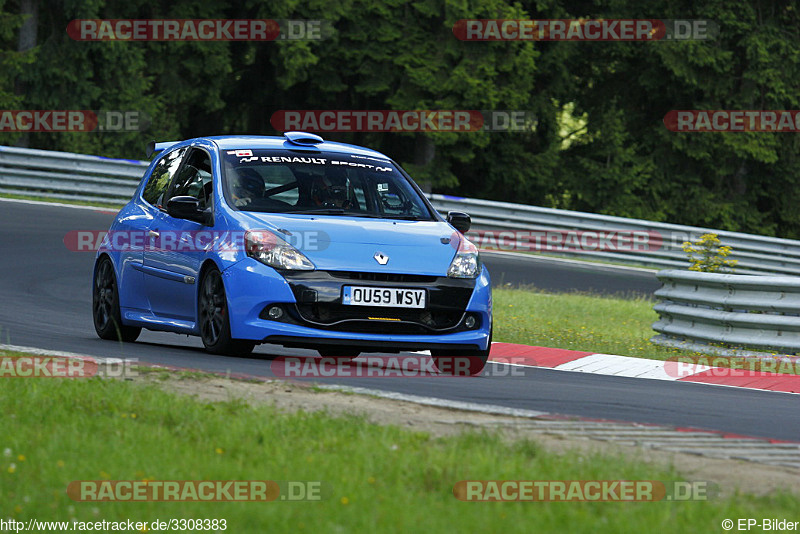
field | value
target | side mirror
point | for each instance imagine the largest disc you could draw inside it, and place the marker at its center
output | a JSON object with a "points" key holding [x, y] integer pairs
{"points": [[185, 207], [459, 220]]}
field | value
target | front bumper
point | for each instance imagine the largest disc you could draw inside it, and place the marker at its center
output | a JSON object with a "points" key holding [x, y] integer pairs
{"points": [[314, 316]]}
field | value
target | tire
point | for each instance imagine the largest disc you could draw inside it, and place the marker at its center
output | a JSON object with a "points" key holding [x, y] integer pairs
{"points": [[462, 362], [214, 320], [342, 354], [105, 305]]}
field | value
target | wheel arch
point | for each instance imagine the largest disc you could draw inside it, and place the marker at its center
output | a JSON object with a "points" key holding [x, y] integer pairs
{"points": [[120, 331], [207, 265], [101, 257]]}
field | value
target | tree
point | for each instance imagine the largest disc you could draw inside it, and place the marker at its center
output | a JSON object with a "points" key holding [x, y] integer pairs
{"points": [[629, 164], [14, 57]]}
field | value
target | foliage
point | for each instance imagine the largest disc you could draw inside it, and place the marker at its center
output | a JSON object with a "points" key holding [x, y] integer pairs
{"points": [[708, 255], [599, 144]]}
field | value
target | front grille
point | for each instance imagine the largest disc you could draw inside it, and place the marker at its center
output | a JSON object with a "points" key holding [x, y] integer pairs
{"points": [[319, 302], [330, 314], [357, 318], [383, 277], [381, 327]]}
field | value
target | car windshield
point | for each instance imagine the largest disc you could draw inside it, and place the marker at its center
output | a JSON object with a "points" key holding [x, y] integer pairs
{"points": [[322, 183]]}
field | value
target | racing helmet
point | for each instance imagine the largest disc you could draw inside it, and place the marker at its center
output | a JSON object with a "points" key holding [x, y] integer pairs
{"points": [[248, 184], [333, 189]]}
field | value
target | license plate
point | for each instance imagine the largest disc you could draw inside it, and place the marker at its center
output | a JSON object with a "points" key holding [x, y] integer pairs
{"points": [[383, 296]]}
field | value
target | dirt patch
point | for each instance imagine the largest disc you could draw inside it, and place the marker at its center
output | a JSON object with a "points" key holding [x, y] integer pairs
{"points": [[731, 475]]}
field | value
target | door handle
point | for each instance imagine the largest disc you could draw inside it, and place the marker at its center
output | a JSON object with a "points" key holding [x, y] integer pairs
{"points": [[153, 233]]}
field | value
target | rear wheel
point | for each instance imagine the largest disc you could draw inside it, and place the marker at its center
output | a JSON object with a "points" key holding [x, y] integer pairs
{"points": [[462, 362], [105, 305], [215, 327]]}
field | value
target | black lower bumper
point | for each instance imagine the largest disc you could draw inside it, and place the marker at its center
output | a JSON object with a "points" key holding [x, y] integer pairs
{"points": [[319, 304], [360, 345]]}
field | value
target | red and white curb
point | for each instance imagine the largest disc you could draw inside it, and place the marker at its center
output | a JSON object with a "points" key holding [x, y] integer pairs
{"points": [[626, 366]]}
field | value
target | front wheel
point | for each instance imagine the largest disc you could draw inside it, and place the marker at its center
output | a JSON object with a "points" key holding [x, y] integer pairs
{"points": [[215, 327], [105, 305], [462, 362]]}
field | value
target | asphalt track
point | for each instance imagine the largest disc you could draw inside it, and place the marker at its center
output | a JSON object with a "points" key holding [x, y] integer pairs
{"points": [[553, 274], [46, 299]]}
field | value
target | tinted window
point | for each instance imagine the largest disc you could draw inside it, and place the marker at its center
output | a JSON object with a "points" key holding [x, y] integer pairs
{"points": [[286, 182], [161, 176], [194, 178], [275, 178]]}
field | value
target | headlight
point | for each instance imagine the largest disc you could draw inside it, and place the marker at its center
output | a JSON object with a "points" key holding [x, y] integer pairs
{"points": [[271, 250], [467, 263]]}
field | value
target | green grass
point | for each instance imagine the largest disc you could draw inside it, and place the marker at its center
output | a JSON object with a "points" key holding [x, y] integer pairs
{"points": [[377, 478], [578, 322], [581, 322]]}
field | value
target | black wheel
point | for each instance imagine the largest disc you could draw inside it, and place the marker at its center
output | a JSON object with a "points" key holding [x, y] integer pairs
{"points": [[342, 354], [462, 362], [215, 327], [105, 305]]}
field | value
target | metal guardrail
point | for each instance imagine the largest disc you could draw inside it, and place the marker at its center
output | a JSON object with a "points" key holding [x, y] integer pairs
{"points": [[752, 312], [498, 225], [64, 175], [755, 254]]}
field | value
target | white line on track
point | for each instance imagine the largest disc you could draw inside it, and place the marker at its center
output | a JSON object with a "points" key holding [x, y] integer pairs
{"points": [[61, 354], [584, 263], [440, 403], [58, 204]]}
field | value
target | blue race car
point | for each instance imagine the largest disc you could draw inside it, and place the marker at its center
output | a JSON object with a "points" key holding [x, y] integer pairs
{"points": [[295, 241]]}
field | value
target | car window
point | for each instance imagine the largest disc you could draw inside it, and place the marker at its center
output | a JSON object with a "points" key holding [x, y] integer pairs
{"points": [[194, 178], [280, 184], [161, 177], [279, 181], [394, 200]]}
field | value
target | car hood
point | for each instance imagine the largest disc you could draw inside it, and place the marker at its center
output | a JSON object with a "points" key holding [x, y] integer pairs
{"points": [[340, 243]]}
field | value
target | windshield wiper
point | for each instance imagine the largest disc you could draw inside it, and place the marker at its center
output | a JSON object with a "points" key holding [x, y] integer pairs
{"points": [[334, 211], [341, 211], [406, 218]]}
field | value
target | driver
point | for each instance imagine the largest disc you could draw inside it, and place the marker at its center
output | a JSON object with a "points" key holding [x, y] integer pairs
{"points": [[332, 190], [247, 186]]}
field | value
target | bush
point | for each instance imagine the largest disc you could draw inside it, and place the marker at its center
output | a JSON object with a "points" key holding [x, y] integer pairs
{"points": [[707, 255]]}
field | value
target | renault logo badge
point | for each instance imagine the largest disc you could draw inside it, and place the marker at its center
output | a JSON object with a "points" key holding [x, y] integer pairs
{"points": [[381, 258]]}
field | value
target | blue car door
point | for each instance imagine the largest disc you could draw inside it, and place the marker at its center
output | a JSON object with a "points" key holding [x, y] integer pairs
{"points": [[132, 278], [174, 253]]}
